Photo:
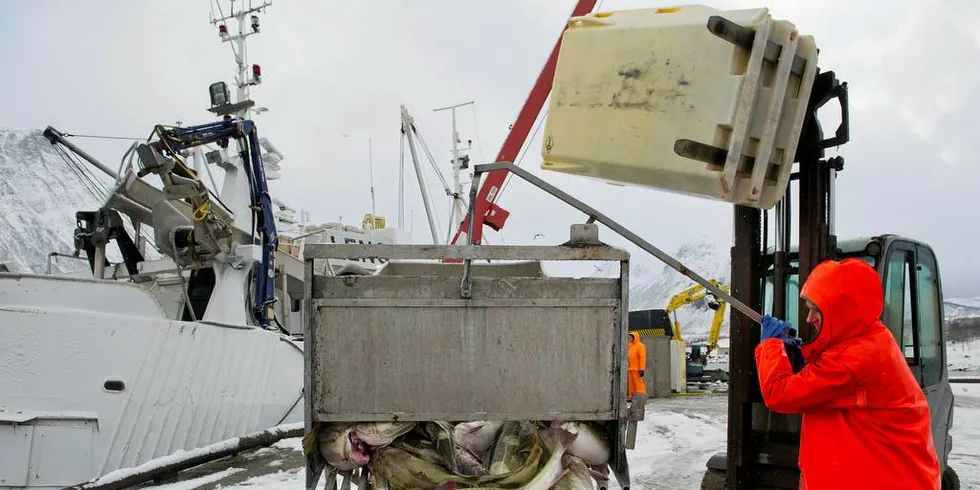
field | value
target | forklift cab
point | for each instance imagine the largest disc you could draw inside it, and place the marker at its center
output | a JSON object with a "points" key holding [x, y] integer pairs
{"points": [[913, 312]]}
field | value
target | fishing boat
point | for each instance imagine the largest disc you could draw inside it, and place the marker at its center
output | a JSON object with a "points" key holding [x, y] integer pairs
{"points": [[172, 351]]}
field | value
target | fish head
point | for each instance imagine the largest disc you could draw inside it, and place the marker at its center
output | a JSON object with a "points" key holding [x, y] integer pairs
{"points": [[342, 449], [358, 450]]}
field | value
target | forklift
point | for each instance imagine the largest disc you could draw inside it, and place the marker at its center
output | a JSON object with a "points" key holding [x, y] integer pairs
{"points": [[582, 137], [763, 446]]}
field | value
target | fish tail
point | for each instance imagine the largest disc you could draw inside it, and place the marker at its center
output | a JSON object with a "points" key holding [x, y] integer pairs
{"points": [[557, 439]]}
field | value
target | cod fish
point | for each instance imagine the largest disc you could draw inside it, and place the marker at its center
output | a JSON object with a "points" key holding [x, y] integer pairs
{"points": [[513, 436], [341, 448], [402, 470], [577, 476], [380, 434], [590, 445], [455, 457], [468, 463], [526, 461], [478, 436], [556, 441]]}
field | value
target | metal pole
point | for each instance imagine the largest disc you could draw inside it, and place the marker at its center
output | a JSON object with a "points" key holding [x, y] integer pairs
{"points": [[371, 176], [620, 229], [55, 136], [407, 122], [99, 270], [401, 180]]}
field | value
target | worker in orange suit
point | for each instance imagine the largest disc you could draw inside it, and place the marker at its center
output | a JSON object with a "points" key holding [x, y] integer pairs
{"points": [[865, 418], [637, 357]]}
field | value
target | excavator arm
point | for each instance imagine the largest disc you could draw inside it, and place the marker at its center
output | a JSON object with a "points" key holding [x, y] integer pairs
{"points": [[695, 293], [716, 321]]}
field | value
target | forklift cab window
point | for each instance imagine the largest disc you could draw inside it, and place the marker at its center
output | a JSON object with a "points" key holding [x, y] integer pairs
{"points": [[792, 296], [899, 308], [913, 309], [930, 316]]}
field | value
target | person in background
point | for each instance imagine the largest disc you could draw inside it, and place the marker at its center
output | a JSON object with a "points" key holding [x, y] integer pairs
{"points": [[637, 357], [865, 419]]}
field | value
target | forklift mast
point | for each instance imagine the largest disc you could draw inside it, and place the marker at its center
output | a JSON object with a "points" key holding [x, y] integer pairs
{"points": [[763, 447]]}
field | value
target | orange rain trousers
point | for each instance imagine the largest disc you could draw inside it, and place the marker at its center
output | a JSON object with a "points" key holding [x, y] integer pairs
{"points": [[637, 356]]}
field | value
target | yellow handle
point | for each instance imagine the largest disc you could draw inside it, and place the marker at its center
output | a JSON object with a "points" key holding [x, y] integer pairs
{"points": [[589, 20]]}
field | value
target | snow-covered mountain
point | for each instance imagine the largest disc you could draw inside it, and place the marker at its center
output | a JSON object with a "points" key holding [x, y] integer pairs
{"points": [[962, 308], [39, 195], [653, 283]]}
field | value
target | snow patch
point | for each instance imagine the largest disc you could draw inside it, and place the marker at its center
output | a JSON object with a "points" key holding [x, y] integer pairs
{"points": [[293, 443], [280, 480], [203, 480], [180, 456], [963, 356]]}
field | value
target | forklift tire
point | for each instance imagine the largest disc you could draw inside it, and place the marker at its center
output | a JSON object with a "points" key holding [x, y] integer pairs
{"points": [[718, 480], [951, 481]]}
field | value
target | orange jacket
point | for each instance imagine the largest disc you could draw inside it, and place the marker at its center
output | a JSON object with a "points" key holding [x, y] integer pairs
{"points": [[865, 418], [636, 353]]}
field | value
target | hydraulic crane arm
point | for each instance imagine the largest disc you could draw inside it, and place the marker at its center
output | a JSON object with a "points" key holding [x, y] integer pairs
{"points": [[163, 157], [486, 208]]}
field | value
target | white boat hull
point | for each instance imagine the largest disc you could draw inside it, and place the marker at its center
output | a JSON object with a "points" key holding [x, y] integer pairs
{"points": [[95, 378]]}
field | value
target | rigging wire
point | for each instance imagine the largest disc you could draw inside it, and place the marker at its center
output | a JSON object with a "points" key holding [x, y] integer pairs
{"points": [[432, 162], [100, 136], [80, 174], [222, 14], [479, 143], [98, 190], [523, 153]]}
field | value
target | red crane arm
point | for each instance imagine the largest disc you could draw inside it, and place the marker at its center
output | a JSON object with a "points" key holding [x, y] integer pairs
{"points": [[492, 215]]}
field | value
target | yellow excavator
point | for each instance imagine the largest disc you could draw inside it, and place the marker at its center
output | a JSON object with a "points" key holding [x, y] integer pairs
{"points": [[696, 361]]}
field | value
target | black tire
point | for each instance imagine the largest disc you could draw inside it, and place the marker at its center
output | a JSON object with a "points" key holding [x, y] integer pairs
{"points": [[718, 480], [951, 481]]}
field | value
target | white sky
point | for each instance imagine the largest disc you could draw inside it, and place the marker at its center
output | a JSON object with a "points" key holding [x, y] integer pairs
{"points": [[343, 68]]}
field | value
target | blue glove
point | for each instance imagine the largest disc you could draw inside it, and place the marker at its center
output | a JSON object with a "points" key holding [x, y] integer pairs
{"points": [[795, 353], [641, 373], [774, 328]]}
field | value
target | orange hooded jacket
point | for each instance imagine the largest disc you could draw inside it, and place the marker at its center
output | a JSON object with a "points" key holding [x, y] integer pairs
{"points": [[865, 419]]}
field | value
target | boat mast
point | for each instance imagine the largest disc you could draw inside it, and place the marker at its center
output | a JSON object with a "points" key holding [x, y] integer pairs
{"points": [[458, 164], [242, 80], [374, 212], [409, 130]]}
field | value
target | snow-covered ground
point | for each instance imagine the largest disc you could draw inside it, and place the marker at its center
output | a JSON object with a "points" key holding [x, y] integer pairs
{"points": [[963, 356], [673, 445]]}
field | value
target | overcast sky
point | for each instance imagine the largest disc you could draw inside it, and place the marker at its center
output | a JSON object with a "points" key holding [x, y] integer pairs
{"points": [[343, 68]]}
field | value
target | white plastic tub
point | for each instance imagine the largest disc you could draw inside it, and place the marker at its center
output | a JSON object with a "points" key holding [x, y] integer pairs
{"points": [[652, 97]]}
